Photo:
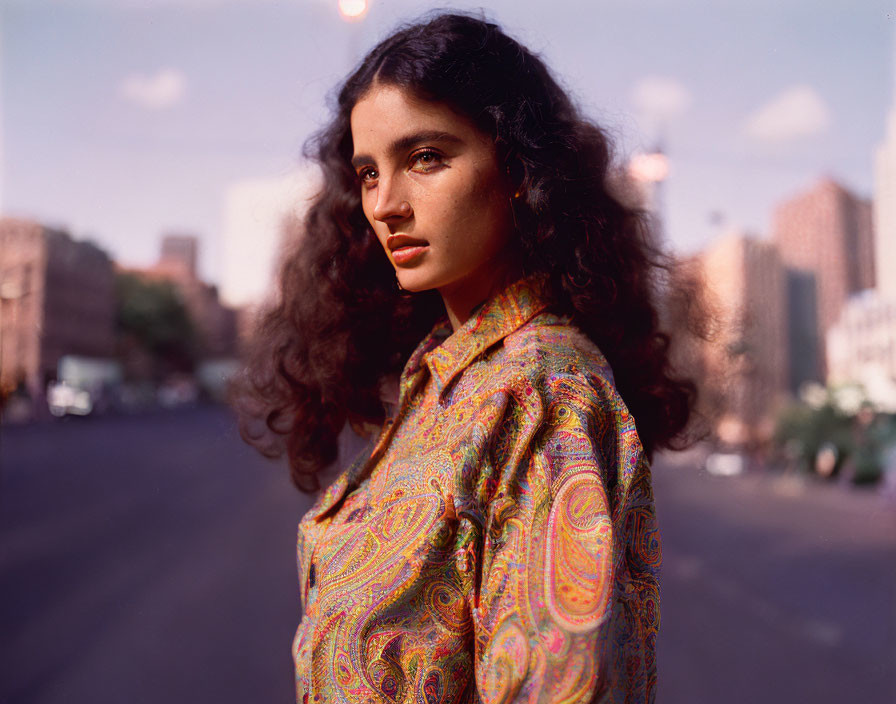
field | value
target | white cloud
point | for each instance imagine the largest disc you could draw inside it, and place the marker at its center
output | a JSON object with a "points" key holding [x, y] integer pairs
{"points": [[157, 91], [661, 97], [797, 112]]}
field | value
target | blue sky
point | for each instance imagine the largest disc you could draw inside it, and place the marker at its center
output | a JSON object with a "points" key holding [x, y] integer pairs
{"points": [[124, 119]]}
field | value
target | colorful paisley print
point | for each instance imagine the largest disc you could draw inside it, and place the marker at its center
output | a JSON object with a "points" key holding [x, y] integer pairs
{"points": [[497, 542]]}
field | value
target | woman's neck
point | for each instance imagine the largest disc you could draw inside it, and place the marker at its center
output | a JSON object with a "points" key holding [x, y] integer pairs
{"points": [[492, 277]]}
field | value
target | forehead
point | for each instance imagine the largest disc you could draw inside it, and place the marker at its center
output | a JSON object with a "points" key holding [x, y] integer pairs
{"points": [[386, 113]]}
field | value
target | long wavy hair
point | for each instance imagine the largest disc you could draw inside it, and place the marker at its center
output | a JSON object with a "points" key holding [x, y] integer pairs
{"points": [[340, 326]]}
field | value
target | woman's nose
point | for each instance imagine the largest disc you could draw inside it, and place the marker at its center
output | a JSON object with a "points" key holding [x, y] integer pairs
{"points": [[390, 204]]}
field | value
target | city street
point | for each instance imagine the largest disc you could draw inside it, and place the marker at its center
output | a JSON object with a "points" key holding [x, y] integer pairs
{"points": [[151, 559], [774, 590]]}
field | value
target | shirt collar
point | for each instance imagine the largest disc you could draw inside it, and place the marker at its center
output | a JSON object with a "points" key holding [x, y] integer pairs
{"points": [[490, 323], [446, 355]]}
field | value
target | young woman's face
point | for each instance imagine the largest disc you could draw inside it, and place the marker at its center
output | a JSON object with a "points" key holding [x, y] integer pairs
{"points": [[433, 192]]}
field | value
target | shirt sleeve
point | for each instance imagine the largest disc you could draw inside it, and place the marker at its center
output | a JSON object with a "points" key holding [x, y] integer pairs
{"points": [[549, 620]]}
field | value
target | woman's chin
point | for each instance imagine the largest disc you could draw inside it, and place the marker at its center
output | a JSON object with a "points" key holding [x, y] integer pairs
{"points": [[413, 283]]}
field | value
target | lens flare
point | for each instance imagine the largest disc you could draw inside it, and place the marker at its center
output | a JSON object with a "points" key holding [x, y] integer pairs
{"points": [[352, 9]]}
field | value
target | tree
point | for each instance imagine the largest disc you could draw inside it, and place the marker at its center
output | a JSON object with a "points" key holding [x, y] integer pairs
{"points": [[153, 323]]}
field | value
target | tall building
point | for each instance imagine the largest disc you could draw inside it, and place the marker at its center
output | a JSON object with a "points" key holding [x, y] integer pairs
{"points": [[804, 341], [885, 210], [746, 366], [57, 298], [827, 231], [254, 216], [179, 254]]}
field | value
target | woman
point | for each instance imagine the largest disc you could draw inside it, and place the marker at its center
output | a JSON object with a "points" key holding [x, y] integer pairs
{"points": [[497, 540]]}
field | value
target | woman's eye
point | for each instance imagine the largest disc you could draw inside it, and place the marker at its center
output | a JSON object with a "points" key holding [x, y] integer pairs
{"points": [[425, 161], [367, 176]]}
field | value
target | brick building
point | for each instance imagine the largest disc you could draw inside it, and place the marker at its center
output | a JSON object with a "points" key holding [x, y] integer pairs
{"points": [[746, 366], [57, 297], [827, 231]]}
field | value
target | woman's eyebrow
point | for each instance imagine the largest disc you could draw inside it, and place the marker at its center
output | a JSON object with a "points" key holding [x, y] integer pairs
{"points": [[402, 144]]}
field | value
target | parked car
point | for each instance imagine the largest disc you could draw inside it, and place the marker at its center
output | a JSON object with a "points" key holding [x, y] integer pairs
{"points": [[64, 399], [725, 464]]}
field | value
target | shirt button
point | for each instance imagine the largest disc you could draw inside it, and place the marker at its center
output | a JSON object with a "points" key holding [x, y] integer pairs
{"points": [[312, 576]]}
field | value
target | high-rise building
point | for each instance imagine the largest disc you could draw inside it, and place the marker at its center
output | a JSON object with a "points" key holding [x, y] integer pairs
{"points": [[179, 254], [827, 231], [804, 343], [57, 298], [746, 365], [885, 210], [254, 216]]}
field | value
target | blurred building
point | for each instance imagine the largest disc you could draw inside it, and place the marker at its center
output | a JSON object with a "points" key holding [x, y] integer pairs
{"points": [[861, 348], [177, 264], [746, 366], [827, 231], [57, 297], [254, 216], [804, 343], [179, 255], [684, 313], [885, 210]]}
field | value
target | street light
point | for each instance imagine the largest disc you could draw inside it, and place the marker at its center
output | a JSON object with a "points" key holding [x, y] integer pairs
{"points": [[649, 168], [352, 10], [649, 171]]}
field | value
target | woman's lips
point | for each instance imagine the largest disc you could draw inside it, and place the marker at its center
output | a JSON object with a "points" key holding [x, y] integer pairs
{"points": [[405, 254]]}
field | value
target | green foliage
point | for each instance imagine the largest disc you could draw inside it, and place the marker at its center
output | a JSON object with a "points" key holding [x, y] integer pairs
{"points": [[862, 438], [873, 444], [806, 430], [152, 315]]}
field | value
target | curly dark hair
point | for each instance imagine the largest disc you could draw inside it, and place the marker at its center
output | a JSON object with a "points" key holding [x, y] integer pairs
{"points": [[340, 326]]}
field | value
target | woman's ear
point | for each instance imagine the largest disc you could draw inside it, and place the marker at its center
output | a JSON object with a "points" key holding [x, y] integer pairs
{"points": [[516, 174]]}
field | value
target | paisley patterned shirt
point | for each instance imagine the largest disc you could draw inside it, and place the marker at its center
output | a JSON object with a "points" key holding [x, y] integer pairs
{"points": [[497, 542]]}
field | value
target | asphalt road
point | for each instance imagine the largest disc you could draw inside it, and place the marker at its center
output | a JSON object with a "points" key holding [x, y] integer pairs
{"points": [[774, 590], [146, 559], [151, 559]]}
